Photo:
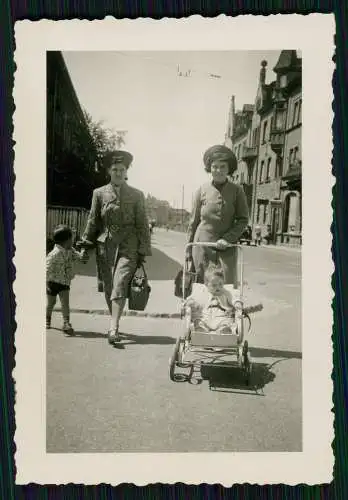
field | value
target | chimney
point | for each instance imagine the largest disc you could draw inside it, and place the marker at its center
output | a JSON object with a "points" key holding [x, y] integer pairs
{"points": [[263, 72]]}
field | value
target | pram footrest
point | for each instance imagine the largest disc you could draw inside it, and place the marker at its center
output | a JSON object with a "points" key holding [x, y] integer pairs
{"points": [[203, 339]]}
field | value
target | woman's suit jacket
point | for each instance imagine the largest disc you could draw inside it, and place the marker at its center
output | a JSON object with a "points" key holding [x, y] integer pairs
{"points": [[218, 214], [118, 224]]}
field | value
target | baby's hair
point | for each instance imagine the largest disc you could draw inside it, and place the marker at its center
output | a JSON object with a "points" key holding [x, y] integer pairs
{"points": [[62, 234], [213, 271]]}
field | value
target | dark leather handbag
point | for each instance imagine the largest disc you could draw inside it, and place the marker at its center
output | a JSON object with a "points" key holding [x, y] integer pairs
{"points": [[190, 278], [139, 290]]}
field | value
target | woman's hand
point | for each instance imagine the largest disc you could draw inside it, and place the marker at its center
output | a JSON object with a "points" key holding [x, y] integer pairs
{"points": [[222, 244], [85, 244], [140, 259]]}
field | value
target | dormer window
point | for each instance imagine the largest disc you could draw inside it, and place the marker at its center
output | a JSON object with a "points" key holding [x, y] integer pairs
{"points": [[283, 80]]}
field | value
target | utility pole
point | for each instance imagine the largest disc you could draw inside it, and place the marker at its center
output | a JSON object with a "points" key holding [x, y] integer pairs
{"points": [[182, 206]]}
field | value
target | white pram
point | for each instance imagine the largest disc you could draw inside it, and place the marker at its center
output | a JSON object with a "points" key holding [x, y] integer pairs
{"points": [[195, 348]]}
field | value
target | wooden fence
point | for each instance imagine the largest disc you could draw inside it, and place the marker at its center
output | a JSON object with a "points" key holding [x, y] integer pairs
{"points": [[74, 217]]}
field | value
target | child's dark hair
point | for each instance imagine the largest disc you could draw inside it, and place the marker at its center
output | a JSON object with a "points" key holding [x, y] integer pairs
{"points": [[62, 234], [213, 271]]}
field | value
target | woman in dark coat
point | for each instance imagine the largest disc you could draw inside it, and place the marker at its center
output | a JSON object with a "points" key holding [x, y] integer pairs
{"points": [[219, 215], [118, 225]]}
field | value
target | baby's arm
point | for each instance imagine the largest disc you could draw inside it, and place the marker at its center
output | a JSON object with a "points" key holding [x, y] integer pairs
{"points": [[236, 304], [193, 305]]}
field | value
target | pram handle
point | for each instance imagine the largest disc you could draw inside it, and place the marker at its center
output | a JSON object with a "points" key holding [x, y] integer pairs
{"points": [[213, 245]]}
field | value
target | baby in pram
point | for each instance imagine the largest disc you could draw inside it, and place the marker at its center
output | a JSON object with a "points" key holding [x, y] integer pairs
{"points": [[213, 308]]}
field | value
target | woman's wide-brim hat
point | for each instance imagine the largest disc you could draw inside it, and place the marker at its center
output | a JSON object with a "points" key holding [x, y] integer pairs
{"points": [[221, 153], [114, 157]]}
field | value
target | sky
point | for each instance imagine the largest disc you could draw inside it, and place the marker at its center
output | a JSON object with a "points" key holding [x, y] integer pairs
{"points": [[170, 120]]}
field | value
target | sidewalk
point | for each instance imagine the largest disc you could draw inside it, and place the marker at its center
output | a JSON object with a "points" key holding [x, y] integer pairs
{"points": [[162, 303]]}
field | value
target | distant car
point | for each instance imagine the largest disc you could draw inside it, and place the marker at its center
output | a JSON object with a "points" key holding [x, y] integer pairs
{"points": [[247, 236]]}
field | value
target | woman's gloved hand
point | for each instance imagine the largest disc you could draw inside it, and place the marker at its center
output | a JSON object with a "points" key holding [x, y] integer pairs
{"points": [[222, 244], [84, 244]]}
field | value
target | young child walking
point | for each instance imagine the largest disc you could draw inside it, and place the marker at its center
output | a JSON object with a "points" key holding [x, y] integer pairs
{"points": [[214, 309], [60, 264]]}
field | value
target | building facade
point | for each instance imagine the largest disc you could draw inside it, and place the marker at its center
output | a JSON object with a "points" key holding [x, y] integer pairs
{"points": [[157, 210], [291, 190], [266, 139], [71, 154]]}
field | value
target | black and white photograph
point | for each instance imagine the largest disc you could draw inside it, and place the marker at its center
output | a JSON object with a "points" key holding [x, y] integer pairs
{"points": [[173, 261], [148, 152]]}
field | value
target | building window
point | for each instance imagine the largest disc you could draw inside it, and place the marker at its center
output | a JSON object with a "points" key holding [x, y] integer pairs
{"points": [[295, 154], [258, 212], [299, 117], [254, 139], [294, 115], [297, 113], [279, 120], [268, 169], [283, 81], [264, 130], [279, 167], [265, 213], [261, 171], [291, 154]]}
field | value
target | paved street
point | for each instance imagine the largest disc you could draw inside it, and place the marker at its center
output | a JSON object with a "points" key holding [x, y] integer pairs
{"points": [[104, 399]]}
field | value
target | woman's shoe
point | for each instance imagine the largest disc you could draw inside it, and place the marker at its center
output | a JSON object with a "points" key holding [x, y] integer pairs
{"points": [[113, 336]]}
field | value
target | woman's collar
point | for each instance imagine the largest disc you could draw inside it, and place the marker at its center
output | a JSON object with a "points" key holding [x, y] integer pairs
{"points": [[221, 184]]}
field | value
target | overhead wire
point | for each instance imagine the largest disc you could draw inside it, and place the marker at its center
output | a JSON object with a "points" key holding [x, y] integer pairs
{"points": [[184, 74]]}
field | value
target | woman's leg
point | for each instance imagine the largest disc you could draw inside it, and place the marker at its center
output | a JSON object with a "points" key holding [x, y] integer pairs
{"points": [[123, 274], [108, 301], [116, 312]]}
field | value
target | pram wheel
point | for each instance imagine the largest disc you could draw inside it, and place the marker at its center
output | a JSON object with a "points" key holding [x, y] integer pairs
{"points": [[247, 363], [175, 358]]}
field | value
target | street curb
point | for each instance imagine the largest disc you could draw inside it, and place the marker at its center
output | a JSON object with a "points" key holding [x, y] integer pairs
{"points": [[141, 314], [144, 314]]}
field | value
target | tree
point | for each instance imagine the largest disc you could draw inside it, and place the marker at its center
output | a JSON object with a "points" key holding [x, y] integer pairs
{"points": [[105, 139]]}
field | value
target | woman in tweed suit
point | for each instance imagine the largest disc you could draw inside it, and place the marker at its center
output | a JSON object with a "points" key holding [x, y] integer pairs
{"points": [[219, 215], [118, 225]]}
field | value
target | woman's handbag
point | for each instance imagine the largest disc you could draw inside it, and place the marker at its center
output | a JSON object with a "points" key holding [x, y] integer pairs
{"points": [[139, 290], [190, 278]]}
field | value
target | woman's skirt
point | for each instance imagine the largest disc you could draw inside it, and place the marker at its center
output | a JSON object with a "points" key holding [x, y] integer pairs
{"points": [[226, 259], [116, 269]]}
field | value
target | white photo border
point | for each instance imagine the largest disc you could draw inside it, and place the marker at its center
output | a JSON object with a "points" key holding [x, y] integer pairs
{"points": [[314, 36]]}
